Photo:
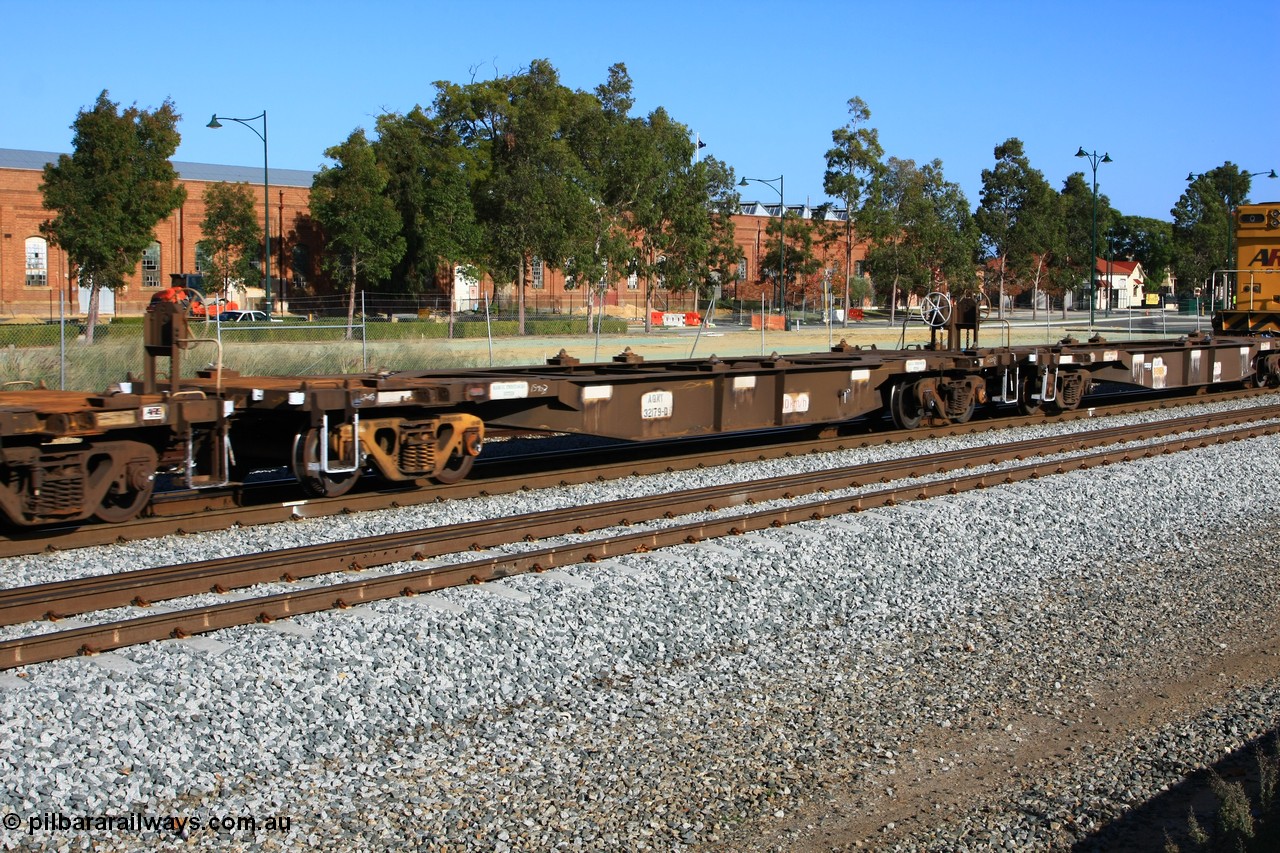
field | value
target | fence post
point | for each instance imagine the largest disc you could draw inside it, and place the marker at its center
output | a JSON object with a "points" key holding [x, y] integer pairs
{"points": [[488, 327], [364, 336], [62, 342]]}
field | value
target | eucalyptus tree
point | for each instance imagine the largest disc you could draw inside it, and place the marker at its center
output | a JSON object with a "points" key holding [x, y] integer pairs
{"points": [[613, 149], [1202, 223], [111, 191], [1075, 268], [1146, 240], [853, 165], [427, 168], [803, 238], [531, 196], [1015, 215], [891, 258], [361, 224], [703, 246], [946, 230], [681, 222], [232, 236], [929, 237]]}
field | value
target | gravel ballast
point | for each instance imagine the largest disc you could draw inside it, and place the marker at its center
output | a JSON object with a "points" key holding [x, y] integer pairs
{"points": [[827, 684]]}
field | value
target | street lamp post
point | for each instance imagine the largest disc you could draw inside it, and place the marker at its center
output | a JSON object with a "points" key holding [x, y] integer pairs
{"points": [[266, 195], [1094, 160], [1230, 265], [782, 236]]}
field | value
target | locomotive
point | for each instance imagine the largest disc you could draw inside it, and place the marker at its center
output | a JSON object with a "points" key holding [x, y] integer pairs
{"points": [[1254, 294], [68, 457]]}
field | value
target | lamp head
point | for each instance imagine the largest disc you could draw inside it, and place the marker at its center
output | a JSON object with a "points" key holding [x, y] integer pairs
{"points": [[1080, 152], [1271, 174], [213, 122], [742, 183], [1106, 158], [1191, 176]]}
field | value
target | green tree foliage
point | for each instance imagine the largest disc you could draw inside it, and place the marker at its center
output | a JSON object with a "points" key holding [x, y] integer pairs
{"points": [[891, 259], [611, 146], [1146, 240], [112, 191], [1016, 217], [804, 236], [931, 240], [232, 236], [361, 224], [1074, 270], [570, 179], [529, 188], [682, 220], [426, 166], [1202, 225], [853, 166]]}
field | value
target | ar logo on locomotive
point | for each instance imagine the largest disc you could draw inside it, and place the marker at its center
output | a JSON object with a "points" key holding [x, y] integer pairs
{"points": [[1266, 258]]}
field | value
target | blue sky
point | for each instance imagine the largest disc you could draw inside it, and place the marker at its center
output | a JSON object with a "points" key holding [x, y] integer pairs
{"points": [[1163, 87]]}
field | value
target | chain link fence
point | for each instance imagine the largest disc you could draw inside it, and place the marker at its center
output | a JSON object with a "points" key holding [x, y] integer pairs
{"points": [[311, 336]]}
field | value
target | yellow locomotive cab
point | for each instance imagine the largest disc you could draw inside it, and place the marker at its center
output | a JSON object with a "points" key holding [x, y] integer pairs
{"points": [[1254, 298]]}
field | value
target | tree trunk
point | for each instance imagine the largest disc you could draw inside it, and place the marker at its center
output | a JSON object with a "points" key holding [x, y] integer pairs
{"points": [[648, 305], [92, 320], [848, 265], [520, 296], [351, 299]]}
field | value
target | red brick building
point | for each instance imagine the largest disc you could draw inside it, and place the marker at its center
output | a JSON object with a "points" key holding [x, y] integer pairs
{"points": [[33, 273]]}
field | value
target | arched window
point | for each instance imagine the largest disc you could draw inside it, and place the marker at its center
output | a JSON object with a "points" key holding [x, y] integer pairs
{"points": [[151, 265], [37, 262]]}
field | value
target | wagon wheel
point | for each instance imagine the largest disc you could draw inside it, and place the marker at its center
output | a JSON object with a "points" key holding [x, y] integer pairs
{"points": [[1030, 385], [306, 467], [459, 463], [124, 500], [984, 304], [935, 309], [457, 468], [903, 408]]}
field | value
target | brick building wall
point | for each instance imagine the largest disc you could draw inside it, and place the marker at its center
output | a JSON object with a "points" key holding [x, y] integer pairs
{"points": [[297, 245], [21, 211]]}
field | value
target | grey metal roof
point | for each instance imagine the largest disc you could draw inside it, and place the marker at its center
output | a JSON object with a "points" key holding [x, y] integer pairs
{"points": [[760, 208], [15, 158]]}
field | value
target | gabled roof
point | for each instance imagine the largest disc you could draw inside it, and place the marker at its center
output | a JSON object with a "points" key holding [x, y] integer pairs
{"points": [[1117, 267], [34, 161]]}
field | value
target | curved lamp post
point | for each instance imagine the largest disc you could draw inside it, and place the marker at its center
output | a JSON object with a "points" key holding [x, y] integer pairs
{"points": [[782, 234], [1229, 267], [1094, 160], [266, 195]]}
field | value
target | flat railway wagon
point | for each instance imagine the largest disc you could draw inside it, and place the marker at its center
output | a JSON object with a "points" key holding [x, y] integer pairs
{"points": [[72, 456]]}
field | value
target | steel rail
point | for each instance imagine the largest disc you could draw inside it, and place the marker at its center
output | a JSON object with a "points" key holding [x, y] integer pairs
{"points": [[66, 598], [182, 623]]}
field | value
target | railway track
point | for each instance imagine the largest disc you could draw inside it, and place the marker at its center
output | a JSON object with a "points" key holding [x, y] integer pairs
{"points": [[141, 587], [190, 513]]}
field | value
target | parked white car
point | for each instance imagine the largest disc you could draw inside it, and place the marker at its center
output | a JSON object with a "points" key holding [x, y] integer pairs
{"points": [[247, 317]]}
